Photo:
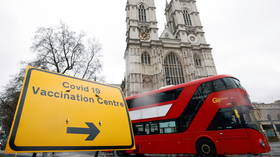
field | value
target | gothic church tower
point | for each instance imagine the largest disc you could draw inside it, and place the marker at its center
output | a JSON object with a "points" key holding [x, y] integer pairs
{"points": [[180, 54]]}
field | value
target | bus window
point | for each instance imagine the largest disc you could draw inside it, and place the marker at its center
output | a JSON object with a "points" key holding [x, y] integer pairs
{"points": [[138, 129], [237, 83], [147, 129], [225, 119], [155, 98], [203, 91], [219, 85], [207, 88], [230, 83], [169, 95], [167, 127], [154, 127]]}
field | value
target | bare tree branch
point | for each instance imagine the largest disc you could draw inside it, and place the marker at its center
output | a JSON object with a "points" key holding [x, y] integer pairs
{"points": [[57, 49]]}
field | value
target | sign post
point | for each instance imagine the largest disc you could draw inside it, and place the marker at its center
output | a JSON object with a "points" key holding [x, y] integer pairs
{"points": [[57, 113]]}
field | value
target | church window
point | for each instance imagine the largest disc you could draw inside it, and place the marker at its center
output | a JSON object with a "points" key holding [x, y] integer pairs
{"points": [[142, 13], [173, 70], [197, 60], [187, 18], [145, 58]]}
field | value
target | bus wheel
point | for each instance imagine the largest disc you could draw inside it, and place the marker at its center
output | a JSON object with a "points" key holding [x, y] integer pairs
{"points": [[205, 148]]}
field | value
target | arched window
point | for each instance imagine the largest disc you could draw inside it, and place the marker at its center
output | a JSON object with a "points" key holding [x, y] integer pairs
{"points": [[187, 18], [173, 70], [142, 13], [145, 58], [197, 60]]}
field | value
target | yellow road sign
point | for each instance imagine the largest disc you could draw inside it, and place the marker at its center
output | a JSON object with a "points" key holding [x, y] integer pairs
{"points": [[56, 112]]}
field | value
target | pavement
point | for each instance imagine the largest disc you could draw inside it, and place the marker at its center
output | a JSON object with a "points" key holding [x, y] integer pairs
{"points": [[275, 152]]}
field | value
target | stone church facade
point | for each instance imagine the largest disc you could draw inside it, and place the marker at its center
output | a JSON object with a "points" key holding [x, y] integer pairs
{"points": [[268, 118], [179, 54]]}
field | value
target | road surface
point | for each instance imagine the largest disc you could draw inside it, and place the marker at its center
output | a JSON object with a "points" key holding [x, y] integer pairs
{"points": [[275, 152]]}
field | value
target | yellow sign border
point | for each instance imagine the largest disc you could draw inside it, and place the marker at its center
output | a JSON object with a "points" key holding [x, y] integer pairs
{"points": [[17, 117]]}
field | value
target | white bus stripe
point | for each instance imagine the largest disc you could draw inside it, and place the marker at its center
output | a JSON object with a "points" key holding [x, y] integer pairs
{"points": [[152, 112]]}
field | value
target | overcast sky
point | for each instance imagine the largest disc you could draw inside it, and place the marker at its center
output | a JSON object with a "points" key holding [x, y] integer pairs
{"points": [[244, 35]]}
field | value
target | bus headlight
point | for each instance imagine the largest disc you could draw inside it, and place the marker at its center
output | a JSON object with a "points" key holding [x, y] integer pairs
{"points": [[262, 143]]}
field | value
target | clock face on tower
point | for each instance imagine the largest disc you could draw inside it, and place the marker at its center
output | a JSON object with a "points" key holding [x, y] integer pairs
{"points": [[144, 36], [144, 32], [193, 39]]}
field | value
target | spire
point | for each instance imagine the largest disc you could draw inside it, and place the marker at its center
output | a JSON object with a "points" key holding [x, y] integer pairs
{"points": [[166, 4]]}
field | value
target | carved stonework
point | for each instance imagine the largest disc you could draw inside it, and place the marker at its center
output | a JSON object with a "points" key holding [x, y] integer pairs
{"points": [[147, 82], [191, 30]]}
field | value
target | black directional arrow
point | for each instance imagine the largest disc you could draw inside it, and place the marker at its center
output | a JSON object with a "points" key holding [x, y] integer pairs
{"points": [[91, 130]]}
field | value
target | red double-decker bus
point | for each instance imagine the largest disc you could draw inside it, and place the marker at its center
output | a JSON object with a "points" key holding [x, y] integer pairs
{"points": [[208, 117]]}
